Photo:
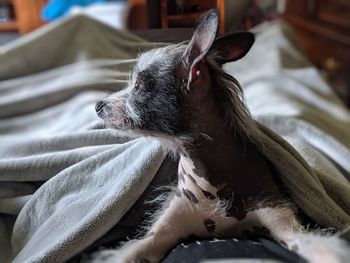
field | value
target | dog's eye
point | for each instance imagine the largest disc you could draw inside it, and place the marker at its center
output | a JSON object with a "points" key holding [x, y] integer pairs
{"points": [[138, 86]]}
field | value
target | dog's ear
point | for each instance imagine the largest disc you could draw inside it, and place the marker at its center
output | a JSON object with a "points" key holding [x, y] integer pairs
{"points": [[231, 47], [203, 37]]}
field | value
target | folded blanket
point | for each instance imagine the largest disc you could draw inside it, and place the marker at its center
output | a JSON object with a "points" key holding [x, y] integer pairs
{"points": [[65, 182], [299, 106]]}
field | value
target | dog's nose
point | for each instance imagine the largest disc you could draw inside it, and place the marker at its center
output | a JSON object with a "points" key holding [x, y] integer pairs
{"points": [[99, 105]]}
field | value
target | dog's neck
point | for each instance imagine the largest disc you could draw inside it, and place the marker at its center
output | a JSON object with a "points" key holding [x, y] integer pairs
{"points": [[214, 149], [222, 156]]}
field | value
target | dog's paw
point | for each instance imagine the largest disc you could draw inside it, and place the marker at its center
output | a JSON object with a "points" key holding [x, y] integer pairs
{"points": [[318, 248], [116, 256], [104, 256]]}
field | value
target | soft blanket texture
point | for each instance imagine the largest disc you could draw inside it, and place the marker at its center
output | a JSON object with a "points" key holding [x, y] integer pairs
{"points": [[64, 181]]}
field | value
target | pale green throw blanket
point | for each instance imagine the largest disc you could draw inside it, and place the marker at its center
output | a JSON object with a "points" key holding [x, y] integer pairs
{"points": [[64, 182]]}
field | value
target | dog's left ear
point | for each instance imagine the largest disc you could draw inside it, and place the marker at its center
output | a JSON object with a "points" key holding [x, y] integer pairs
{"points": [[231, 47], [203, 37]]}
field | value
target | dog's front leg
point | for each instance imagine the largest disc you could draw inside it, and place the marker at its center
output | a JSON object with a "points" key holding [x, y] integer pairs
{"points": [[177, 220], [315, 247]]}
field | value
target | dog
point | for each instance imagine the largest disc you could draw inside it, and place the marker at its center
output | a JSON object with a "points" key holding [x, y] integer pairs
{"points": [[181, 94]]}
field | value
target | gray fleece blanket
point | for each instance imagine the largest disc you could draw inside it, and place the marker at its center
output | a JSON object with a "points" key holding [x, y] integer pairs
{"points": [[65, 181]]}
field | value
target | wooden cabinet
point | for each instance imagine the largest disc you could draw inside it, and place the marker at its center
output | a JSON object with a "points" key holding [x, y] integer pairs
{"points": [[146, 14], [323, 29], [26, 16], [186, 16], [138, 16]]}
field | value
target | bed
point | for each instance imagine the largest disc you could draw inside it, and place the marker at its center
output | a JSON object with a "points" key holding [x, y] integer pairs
{"points": [[69, 186]]}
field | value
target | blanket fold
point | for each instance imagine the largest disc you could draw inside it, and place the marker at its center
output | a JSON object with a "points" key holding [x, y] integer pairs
{"points": [[325, 199], [65, 181]]}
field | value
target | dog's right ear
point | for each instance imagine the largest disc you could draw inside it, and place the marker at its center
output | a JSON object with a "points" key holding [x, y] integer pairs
{"points": [[231, 47], [203, 37]]}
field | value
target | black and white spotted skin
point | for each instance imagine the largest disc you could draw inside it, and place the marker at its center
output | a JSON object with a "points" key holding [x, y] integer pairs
{"points": [[181, 95]]}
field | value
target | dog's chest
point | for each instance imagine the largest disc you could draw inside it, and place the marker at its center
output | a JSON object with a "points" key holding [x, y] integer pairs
{"points": [[221, 201]]}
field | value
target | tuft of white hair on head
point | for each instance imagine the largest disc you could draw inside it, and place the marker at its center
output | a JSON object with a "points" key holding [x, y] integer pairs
{"points": [[164, 55]]}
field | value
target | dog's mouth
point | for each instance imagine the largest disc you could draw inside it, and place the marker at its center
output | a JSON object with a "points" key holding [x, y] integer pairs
{"points": [[100, 114], [115, 120]]}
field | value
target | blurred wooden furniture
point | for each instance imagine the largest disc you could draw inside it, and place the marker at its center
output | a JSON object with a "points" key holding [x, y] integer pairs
{"points": [[323, 29], [138, 16], [173, 16], [26, 15], [143, 12]]}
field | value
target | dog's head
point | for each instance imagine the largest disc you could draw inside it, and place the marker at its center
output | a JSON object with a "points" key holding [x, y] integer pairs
{"points": [[170, 85]]}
